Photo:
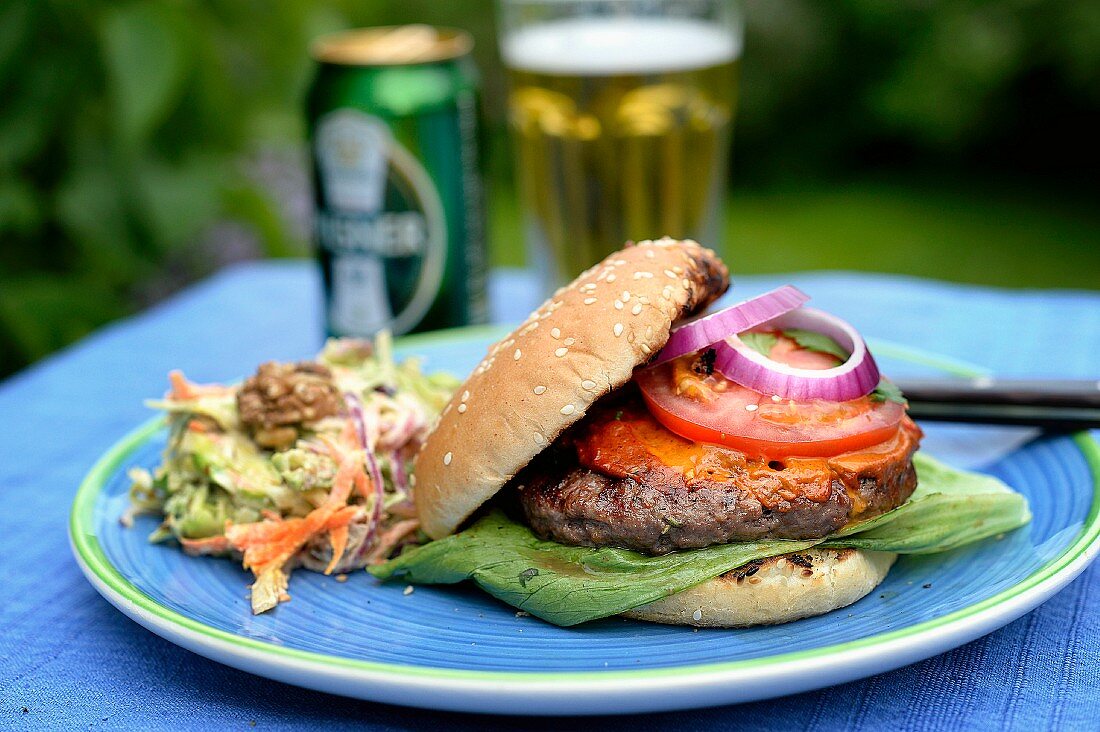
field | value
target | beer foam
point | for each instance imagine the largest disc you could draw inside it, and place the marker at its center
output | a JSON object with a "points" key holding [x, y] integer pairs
{"points": [[610, 46]]}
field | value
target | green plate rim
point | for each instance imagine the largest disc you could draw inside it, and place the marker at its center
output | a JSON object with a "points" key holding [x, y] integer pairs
{"points": [[88, 550]]}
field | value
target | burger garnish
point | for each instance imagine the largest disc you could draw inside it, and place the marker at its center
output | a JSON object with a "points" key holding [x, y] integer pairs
{"points": [[639, 467]]}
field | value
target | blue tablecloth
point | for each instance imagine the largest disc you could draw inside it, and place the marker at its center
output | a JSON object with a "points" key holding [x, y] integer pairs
{"points": [[69, 660]]}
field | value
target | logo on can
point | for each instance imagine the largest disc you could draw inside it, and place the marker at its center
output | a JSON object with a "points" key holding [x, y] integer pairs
{"points": [[357, 159]]}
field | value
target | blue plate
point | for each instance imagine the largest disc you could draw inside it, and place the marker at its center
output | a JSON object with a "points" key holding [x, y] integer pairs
{"points": [[457, 648]]}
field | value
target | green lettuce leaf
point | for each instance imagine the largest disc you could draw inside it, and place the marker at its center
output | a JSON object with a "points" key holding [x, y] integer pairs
{"points": [[760, 342], [950, 508], [888, 391], [568, 585], [819, 342]]}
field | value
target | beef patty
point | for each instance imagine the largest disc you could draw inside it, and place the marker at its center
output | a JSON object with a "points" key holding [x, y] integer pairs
{"points": [[619, 478]]}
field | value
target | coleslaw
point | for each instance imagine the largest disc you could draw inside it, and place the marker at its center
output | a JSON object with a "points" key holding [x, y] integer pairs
{"points": [[300, 465]]}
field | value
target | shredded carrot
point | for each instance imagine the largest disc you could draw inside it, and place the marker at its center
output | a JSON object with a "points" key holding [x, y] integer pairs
{"points": [[270, 544], [342, 517], [346, 476], [350, 435], [364, 484], [183, 390], [197, 425], [209, 545], [339, 538], [329, 448], [181, 387], [348, 442]]}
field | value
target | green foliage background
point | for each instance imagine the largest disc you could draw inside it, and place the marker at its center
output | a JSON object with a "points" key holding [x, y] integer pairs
{"points": [[952, 139]]}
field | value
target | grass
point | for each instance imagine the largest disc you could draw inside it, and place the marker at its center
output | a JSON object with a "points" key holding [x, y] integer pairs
{"points": [[981, 233]]}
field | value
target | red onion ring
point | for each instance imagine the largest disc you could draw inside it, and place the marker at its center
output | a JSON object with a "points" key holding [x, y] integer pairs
{"points": [[706, 331], [856, 377]]}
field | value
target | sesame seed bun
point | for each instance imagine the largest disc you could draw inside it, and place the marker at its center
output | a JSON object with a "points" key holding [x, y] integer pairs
{"points": [[774, 590], [539, 380]]}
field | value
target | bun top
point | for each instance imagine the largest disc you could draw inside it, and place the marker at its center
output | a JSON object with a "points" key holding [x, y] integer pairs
{"points": [[540, 379]]}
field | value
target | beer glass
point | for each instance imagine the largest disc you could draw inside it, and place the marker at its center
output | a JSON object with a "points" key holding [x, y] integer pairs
{"points": [[620, 113]]}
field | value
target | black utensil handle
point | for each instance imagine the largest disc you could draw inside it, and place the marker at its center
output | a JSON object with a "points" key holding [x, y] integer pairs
{"points": [[1074, 393], [1044, 417]]}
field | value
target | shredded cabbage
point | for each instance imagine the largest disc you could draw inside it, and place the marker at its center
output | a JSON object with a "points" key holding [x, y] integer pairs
{"points": [[214, 475]]}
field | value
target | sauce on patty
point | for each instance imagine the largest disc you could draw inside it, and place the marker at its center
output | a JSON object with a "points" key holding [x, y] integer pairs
{"points": [[623, 440]]}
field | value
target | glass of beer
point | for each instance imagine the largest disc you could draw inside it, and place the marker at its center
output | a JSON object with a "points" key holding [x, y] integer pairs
{"points": [[621, 112]]}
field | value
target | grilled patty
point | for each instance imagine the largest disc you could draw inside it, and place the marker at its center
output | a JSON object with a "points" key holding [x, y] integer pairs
{"points": [[620, 479]]}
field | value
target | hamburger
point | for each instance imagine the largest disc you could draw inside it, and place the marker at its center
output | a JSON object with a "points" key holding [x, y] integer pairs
{"points": [[624, 457]]}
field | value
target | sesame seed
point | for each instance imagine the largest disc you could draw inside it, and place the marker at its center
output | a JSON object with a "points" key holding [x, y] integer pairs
{"points": [[540, 389], [670, 274], [589, 300], [588, 385], [539, 439], [408, 590], [646, 349], [643, 300], [461, 408], [636, 309], [465, 395], [569, 341], [697, 615], [649, 254], [643, 275], [648, 331], [611, 277], [561, 352], [776, 398], [618, 261], [618, 304], [555, 333], [568, 409], [625, 297], [687, 284], [618, 329], [678, 269], [751, 407], [517, 354], [447, 459]]}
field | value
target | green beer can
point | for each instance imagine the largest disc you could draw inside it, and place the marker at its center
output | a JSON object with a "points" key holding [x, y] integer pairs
{"points": [[392, 116]]}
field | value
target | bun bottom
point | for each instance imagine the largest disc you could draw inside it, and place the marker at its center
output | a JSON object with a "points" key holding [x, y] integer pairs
{"points": [[774, 590]]}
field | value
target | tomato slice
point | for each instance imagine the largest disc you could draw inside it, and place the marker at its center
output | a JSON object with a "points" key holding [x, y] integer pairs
{"points": [[710, 408]]}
